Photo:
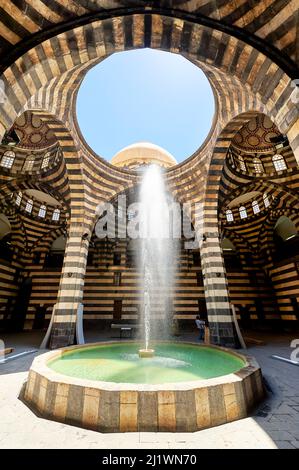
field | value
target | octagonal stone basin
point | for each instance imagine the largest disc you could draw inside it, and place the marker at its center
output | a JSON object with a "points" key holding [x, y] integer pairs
{"points": [[108, 388]]}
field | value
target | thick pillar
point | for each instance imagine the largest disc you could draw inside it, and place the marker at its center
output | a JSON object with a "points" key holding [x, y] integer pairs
{"points": [[65, 312], [222, 331]]}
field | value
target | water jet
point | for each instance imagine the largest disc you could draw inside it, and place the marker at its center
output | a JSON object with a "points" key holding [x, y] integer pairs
{"points": [[129, 386]]}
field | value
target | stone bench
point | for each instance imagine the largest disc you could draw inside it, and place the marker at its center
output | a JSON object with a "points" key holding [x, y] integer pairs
{"points": [[122, 327]]}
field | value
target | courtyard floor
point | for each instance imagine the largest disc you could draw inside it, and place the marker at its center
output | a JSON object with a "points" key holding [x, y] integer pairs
{"points": [[275, 424]]}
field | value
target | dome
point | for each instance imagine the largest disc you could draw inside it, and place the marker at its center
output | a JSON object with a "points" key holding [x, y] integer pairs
{"points": [[255, 136], [143, 153]]}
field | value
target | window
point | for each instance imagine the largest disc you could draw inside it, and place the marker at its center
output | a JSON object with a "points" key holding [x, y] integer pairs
{"points": [[279, 163], [28, 163], [258, 166], [29, 206], [243, 212], [42, 211], [266, 200], [7, 159], [56, 215], [229, 215], [19, 198], [230, 158], [242, 163], [46, 160], [255, 207], [58, 155]]}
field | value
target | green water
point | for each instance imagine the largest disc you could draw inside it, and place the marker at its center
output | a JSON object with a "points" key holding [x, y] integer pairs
{"points": [[119, 363]]}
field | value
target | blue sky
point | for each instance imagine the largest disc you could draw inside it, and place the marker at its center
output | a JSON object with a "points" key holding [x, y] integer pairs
{"points": [[145, 95]]}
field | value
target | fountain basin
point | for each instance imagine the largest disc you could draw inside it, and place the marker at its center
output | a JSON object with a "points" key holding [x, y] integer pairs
{"points": [[111, 406]]}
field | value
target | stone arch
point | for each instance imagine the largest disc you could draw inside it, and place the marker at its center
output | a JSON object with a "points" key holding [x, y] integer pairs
{"points": [[220, 150], [218, 157], [271, 188], [99, 39], [285, 226], [267, 240], [72, 159]]}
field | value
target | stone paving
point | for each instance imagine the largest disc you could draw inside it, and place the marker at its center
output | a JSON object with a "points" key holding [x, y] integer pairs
{"points": [[275, 424]]}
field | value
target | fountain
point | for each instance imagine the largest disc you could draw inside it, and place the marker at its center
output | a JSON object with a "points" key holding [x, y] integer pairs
{"points": [[157, 256], [157, 385]]}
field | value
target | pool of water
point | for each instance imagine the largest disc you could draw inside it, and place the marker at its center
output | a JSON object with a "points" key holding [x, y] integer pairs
{"points": [[120, 363]]}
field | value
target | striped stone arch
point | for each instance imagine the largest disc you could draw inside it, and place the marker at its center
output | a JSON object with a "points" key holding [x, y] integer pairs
{"points": [[221, 147], [215, 279], [9, 207], [68, 148], [73, 52], [214, 204], [263, 186], [267, 243], [215, 168], [18, 234], [237, 239], [247, 187], [208, 226], [43, 76], [94, 41], [80, 222]]}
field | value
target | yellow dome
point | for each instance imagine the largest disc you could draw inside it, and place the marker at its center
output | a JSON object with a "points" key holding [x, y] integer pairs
{"points": [[143, 153]]}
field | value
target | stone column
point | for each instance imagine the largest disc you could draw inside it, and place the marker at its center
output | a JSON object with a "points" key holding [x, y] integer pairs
{"points": [[222, 330], [62, 331]]}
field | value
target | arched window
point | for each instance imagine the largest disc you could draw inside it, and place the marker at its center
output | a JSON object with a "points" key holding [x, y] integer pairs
{"points": [[46, 160], [56, 215], [243, 212], [279, 163], [28, 163], [229, 215], [19, 198], [58, 155], [7, 159], [242, 163], [42, 211], [29, 206], [258, 166], [230, 158], [255, 207], [266, 200]]}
